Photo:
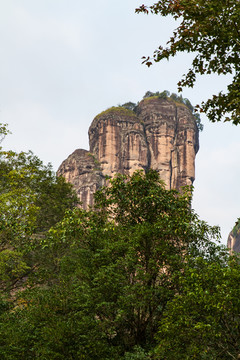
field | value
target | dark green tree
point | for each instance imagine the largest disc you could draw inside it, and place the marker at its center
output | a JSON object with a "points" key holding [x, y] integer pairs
{"points": [[203, 320], [210, 30], [129, 105], [106, 276], [32, 199]]}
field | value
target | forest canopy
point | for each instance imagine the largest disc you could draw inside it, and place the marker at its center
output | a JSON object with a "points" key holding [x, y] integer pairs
{"points": [[115, 281]]}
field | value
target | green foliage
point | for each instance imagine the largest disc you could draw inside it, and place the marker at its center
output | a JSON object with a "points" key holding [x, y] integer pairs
{"points": [[137, 354], [105, 278], [163, 95], [130, 106], [209, 29], [11, 265], [137, 277], [203, 320], [32, 197], [119, 110], [32, 200], [3, 132]]}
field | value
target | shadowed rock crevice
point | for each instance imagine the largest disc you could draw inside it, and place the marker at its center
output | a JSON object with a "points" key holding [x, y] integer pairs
{"points": [[161, 134]]}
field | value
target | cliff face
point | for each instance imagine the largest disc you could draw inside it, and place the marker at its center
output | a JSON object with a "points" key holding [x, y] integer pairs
{"points": [[117, 139], [161, 134], [172, 138], [233, 242], [83, 171]]}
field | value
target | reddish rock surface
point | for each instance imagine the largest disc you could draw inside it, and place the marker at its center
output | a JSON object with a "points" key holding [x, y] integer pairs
{"points": [[161, 134], [172, 137], [233, 242], [83, 171], [117, 139]]}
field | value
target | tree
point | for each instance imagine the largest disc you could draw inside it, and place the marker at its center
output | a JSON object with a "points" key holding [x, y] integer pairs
{"points": [[203, 320], [107, 275], [3, 132], [32, 197], [211, 30], [130, 106], [32, 200]]}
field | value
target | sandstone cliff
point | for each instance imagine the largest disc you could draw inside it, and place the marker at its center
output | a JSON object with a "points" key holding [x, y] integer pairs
{"points": [[233, 242], [172, 138], [117, 139], [83, 171], [161, 134]]}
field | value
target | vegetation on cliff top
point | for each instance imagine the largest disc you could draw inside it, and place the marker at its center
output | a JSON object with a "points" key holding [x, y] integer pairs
{"points": [[171, 97], [129, 109], [119, 110]]}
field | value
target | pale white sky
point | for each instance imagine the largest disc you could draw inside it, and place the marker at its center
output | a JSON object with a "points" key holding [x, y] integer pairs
{"points": [[64, 61]]}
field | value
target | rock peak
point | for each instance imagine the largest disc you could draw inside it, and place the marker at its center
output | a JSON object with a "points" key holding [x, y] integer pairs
{"points": [[160, 133]]}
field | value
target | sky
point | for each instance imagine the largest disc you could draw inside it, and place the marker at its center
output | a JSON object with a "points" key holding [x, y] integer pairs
{"points": [[64, 61]]}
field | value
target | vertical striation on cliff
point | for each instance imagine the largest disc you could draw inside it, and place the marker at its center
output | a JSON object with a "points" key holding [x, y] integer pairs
{"points": [[82, 170], [116, 138], [233, 242], [172, 138], [161, 134]]}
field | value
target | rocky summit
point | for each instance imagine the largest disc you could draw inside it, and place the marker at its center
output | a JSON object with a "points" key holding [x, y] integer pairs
{"points": [[160, 133]]}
